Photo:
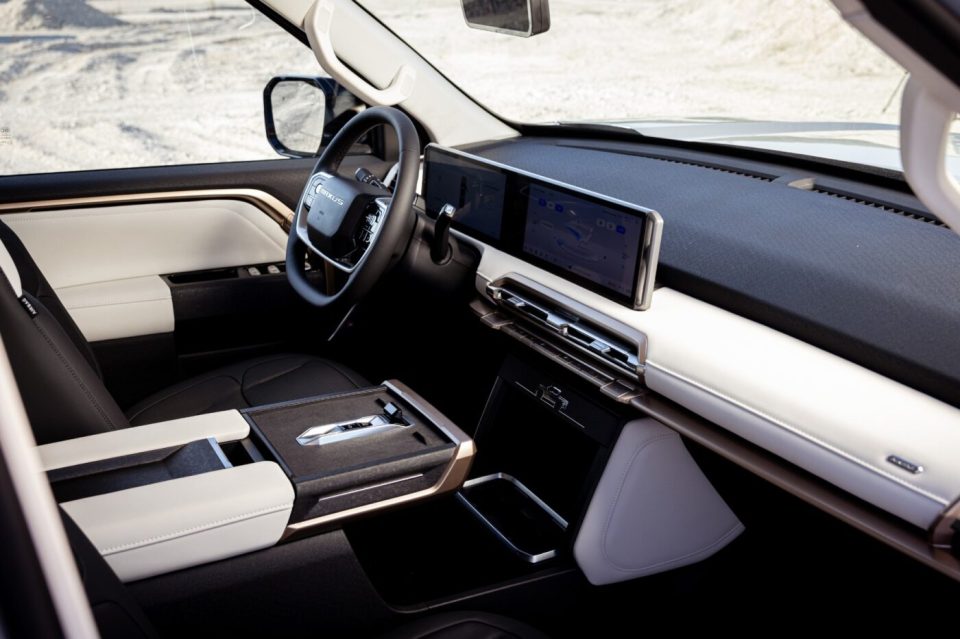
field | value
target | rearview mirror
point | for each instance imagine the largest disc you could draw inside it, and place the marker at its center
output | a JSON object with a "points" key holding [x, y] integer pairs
{"points": [[302, 113], [523, 18]]}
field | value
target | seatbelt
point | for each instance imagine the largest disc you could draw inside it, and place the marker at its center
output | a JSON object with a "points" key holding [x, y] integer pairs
{"points": [[9, 271]]}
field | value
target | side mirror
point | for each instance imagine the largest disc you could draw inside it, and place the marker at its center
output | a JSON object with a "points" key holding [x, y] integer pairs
{"points": [[523, 18], [302, 113]]}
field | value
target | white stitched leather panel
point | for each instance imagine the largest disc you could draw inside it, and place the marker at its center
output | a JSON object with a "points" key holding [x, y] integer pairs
{"points": [[653, 510], [120, 308], [105, 262], [158, 528]]}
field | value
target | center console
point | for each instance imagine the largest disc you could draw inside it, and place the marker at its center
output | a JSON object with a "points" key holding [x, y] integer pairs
{"points": [[170, 495], [354, 453]]}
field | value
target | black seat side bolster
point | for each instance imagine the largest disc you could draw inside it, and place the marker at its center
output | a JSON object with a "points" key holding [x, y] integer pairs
{"points": [[33, 282], [63, 395], [114, 609]]}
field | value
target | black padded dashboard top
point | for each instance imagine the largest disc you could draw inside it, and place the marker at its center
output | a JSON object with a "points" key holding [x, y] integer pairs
{"points": [[873, 284]]}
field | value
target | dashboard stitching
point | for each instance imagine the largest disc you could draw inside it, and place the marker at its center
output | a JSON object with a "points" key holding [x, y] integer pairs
{"points": [[799, 432]]}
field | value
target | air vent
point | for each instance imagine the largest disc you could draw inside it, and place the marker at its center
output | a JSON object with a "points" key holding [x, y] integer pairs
{"points": [[713, 167], [887, 208], [612, 350], [765, 177]]}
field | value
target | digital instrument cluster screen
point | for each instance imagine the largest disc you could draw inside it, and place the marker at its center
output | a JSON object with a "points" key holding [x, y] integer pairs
{"points": [[477, 192], [606, 245]]}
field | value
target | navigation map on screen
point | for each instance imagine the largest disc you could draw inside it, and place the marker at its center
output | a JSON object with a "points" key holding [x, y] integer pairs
{"points": [[588, 239]]}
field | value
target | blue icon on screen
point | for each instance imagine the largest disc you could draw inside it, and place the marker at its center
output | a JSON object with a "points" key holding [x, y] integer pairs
{"points": [[559, 208], [621, 229], [542, 202]]}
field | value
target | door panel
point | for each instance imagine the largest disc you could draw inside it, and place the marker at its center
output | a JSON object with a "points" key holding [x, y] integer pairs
{"points": [[111, 256], [105, 262]]}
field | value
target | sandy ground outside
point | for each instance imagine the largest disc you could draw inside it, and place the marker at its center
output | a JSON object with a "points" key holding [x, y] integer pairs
{"points": [[180, 81]]}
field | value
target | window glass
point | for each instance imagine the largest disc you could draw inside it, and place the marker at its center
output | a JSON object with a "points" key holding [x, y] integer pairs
{"points": [[122, 83]]}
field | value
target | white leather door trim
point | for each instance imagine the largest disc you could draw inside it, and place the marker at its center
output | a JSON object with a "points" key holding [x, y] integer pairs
{"points": [[159, 528], [829, 416], [120, 308], [653, 510], [107, 243], [224, 426], [106, 260]]}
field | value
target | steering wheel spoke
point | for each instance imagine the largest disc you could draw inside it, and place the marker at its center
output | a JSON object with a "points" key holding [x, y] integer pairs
{"points": [[354, 225]]}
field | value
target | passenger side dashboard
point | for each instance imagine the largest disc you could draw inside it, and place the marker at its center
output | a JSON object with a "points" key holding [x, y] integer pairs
{"points": [[886, 439]]}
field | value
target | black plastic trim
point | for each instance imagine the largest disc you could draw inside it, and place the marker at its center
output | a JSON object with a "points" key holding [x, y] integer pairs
{"points": [[928, 27]]}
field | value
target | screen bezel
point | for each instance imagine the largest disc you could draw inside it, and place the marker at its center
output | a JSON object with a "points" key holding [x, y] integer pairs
{"points": [[513, 223]]}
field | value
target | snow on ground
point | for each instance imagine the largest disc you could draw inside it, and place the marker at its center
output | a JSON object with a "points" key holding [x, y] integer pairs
{"points": [[110, 83]]}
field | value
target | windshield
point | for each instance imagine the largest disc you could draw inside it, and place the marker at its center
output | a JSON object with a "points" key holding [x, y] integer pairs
{"points": [[789, 75]]}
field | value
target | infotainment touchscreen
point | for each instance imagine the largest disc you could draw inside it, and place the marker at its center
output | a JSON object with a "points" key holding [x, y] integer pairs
{"points": [[598, 242], [595, 241]]}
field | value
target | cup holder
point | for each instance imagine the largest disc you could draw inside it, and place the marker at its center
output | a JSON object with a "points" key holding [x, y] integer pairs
{"points": [[522, 522]]}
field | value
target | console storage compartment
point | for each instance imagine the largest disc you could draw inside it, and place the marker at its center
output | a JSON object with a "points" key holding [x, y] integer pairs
{"points": [[161, 497], [353, 453]]}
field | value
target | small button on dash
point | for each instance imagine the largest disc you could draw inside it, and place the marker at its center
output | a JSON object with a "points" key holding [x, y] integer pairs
{"points": [[253, 270]]}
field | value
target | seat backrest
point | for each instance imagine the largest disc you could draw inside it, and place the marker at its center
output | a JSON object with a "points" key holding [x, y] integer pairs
{"points": [[54, 365]]}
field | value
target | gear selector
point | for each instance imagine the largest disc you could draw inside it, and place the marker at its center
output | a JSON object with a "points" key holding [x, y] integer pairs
{"points": [[390, 419]]}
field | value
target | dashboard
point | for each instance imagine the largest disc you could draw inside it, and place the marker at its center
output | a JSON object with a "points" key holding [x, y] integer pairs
{"points": [[759, 322]]}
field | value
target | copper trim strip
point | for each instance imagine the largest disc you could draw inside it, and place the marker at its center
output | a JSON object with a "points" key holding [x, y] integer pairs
{"points": [[941, 535], [277, 210]]}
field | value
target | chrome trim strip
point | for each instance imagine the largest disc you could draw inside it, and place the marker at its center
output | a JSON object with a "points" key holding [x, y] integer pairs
{"points": [[650, 248], [565, 328], [526, 491], [773, 421], [215, 445], [277, 210]]}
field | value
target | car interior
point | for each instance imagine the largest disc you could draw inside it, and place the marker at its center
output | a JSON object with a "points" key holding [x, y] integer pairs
{"points": [[450, 375]]}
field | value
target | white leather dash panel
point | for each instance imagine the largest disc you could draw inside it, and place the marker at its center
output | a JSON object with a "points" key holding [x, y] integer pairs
{"points": [[224, 426], [120, 308], [158, 528], [834, 418], [653, 510], [106, 261]]}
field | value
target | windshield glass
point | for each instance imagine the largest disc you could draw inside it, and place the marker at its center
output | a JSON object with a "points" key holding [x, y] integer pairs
{"points": [[789, 75]]}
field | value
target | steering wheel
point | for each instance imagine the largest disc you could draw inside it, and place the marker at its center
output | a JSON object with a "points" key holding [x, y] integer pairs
{"points": [[360, 229]]}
